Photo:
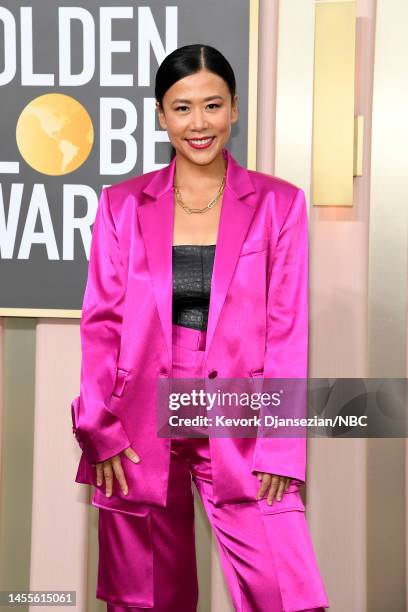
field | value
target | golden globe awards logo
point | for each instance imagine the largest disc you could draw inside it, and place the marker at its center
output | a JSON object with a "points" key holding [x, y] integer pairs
{"points": [[54, 134], [78, 113]]}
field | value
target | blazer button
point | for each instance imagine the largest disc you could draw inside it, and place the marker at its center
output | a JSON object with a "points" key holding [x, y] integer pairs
{"points": [[212, 374]]}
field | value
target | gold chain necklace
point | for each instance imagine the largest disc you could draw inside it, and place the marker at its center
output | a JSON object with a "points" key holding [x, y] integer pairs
{"points": [[210, 204]]}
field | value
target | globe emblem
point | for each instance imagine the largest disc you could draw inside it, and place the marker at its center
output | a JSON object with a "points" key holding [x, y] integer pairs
{"points": [[54, 134]]}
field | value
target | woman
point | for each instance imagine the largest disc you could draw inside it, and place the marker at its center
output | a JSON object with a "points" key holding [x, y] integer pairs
{"points": [[164, 243]]}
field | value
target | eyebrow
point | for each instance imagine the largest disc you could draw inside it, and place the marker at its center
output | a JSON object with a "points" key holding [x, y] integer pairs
{"points": [[204, 99]]}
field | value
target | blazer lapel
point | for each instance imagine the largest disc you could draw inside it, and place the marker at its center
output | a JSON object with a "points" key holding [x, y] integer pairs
{"points": [[156, 218], [235, 220], [156, 223]]}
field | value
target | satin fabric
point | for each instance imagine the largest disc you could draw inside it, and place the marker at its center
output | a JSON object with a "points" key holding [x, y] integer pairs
{"points": [[257, 326], [265, 551]]}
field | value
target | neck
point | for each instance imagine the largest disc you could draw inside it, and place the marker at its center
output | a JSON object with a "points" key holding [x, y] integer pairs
{"points": [[188, 175]]}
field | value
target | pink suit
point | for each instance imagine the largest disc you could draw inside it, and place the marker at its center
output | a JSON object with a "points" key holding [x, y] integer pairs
{"points": [[257, 326]]}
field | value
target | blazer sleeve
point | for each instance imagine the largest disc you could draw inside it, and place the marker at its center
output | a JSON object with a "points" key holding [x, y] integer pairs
{"points": [[286, 353], [98, 431]]}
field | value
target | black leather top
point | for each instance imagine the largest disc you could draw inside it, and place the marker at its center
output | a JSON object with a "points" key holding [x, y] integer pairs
{"points": [[192, 272]]}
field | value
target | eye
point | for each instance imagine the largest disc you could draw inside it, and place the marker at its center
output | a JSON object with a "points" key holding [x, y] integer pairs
{"points": [[211, 104]]}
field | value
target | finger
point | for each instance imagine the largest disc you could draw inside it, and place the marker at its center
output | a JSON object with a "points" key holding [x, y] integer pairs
{"points": [[130, 453], [266, 478], [99, 474], [273, 488], [289, 480], [281, 488], [108, 473], [120, 475]]}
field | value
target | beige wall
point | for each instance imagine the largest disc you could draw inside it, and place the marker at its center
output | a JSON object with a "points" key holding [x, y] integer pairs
{"points": [[357, 490]]}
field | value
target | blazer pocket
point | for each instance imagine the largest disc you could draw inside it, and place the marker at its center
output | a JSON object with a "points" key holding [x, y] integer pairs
{"points": [[254, 246], [289, 501], [120, 382]]}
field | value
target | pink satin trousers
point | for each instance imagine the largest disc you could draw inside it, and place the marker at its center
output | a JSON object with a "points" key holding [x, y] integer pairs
{"points": [[150, 561]]}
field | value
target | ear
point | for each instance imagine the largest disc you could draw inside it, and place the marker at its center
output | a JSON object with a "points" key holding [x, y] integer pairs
{"points": [[161, 117], [234, 109]]}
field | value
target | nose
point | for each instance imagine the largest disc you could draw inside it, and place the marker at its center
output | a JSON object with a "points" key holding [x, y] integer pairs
{"points": [[198, 120]]}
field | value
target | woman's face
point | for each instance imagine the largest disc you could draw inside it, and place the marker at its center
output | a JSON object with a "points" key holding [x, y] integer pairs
{"points": [[196, 107]]}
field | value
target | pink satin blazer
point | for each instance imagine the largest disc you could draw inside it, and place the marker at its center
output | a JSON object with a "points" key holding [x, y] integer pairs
{"points": [[257, 326]]}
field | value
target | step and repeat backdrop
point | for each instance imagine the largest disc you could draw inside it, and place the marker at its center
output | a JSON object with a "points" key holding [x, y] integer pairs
{"points": [[78, 112]]}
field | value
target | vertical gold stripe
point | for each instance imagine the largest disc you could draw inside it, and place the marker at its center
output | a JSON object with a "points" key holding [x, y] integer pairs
{"points": [[253, 82], [333, 113], [358, 145]]}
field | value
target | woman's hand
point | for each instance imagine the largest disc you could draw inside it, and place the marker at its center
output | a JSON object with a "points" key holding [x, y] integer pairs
{"points": [[112, 466], [275, 483]]}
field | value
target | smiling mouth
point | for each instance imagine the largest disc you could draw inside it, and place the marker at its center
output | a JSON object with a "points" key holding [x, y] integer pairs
{"points": [[200, 142]]}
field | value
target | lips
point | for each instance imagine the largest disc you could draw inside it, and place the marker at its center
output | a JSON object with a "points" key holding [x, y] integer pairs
{"points": [[201, 143]]}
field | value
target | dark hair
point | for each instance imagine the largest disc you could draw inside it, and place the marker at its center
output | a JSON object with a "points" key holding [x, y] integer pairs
{"points": [[188, 60]]}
